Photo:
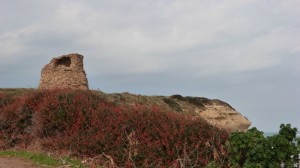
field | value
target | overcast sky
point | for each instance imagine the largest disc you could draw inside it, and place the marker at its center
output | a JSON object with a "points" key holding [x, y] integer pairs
{"points": [[246, 53]]}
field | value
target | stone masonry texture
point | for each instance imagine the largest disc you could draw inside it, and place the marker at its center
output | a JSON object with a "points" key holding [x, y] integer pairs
{"points": [[63, 72]]}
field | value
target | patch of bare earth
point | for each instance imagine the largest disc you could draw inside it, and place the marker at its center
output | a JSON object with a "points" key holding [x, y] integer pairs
{"points": [[14, 162]]}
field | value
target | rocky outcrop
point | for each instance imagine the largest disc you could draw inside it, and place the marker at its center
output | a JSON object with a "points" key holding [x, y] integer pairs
{"points": [[216, 112], [224, 117], [65, 71]]}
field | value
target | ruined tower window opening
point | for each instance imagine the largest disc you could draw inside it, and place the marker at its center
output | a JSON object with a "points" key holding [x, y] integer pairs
{"points": [[64, 61]]}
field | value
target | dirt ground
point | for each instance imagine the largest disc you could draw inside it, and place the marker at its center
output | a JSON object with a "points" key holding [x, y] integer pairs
{"points": [[13, 162]]}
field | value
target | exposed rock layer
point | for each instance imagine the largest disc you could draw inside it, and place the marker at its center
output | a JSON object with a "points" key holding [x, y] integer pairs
{"points": [[64, 72], [224, 117]]}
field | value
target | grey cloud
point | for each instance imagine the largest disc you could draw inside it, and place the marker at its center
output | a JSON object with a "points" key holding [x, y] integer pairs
{"points": [[244, 52]]}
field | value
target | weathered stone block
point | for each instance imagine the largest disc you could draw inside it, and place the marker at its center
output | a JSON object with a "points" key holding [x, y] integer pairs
{"points": [[65, 71]]}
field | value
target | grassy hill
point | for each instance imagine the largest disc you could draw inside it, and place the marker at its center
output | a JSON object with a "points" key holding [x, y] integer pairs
{"points": [[119, 129]]}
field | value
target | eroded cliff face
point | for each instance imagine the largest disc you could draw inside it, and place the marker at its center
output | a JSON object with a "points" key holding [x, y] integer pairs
{"points": [[215, 112], [65, 71], [224, 117]]}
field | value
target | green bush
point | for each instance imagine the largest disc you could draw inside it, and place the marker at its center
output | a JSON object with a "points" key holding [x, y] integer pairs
{"points": [[252, 149], [173, 104]]}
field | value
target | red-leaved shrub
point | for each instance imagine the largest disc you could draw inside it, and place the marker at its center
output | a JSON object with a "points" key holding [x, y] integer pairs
{"points": [[88, 126]]}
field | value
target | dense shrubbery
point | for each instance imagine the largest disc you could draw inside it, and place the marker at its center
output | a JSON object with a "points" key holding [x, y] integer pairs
{"points": [[87, 126], [252, 149]]}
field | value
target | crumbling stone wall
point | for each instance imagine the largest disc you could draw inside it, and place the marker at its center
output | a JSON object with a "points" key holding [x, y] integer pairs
{"points": [[65, 71]]}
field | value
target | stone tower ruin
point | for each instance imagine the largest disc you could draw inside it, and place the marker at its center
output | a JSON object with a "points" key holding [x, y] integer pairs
{"points": [[65, 71]]}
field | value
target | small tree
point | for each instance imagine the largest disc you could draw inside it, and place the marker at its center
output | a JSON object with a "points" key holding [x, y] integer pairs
{"points": [[288, 132], [246, 147], [252, 149]]}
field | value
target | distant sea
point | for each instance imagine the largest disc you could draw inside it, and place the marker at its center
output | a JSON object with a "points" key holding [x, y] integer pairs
{"points": [[266, 134]]}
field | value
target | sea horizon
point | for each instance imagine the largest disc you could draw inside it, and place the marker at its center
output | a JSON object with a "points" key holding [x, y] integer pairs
{"points": [[267, 134]]}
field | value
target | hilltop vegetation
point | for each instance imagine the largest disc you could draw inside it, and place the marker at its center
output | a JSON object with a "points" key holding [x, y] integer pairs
{"points": [[128, 130], [214, 111], [85, 124]]}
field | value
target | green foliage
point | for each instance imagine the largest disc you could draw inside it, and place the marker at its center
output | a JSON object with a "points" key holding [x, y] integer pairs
{"points": [[197, 101], [252, 149], [243, 145], [173, 104], [288, 132], [212, 164]]}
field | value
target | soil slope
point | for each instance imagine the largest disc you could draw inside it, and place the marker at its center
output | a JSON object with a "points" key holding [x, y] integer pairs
{"points": [[12, 162]]}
